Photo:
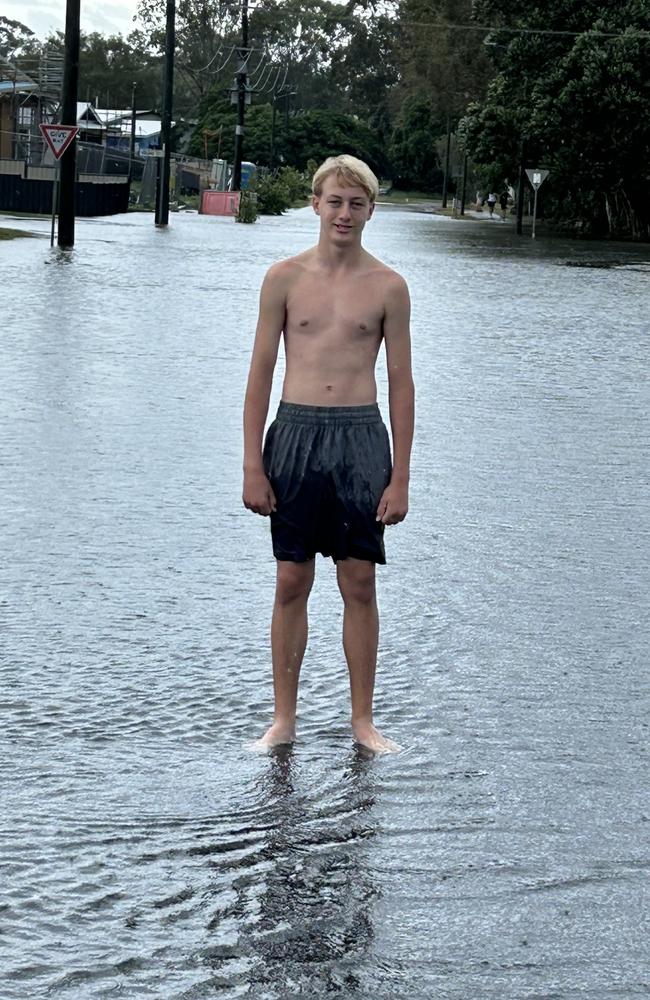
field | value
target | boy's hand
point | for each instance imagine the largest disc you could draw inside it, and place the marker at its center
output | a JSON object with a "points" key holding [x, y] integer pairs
{"points": [[394, 504], [258, 495]]}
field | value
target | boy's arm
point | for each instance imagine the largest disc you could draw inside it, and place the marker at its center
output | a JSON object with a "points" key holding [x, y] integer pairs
{"points": [[257, 493], [393, 505]]}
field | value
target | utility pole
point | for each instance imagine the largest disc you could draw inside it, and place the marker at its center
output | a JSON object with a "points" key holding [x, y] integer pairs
{"points": [[162, 195], [445, 182], [69, 117], [242, 79], [272, 152], [463, 190], [132, 143], [521, 187]]}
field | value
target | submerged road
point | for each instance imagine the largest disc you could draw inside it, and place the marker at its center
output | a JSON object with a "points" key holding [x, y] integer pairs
{"points": [[145, 853]]}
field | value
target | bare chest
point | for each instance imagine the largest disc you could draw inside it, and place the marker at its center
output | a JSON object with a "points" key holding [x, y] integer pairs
{"points": [[347, 311]]}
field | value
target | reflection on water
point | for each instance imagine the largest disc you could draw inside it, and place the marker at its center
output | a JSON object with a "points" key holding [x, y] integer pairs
{"points": [[315, 919], [144, 851]]}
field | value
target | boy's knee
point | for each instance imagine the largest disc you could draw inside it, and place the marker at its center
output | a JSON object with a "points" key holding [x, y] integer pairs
{"points": [[294, 581], [357, 583]]}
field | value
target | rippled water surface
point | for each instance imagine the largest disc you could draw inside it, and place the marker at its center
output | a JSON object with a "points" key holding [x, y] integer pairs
{"points": [[144, 851]]}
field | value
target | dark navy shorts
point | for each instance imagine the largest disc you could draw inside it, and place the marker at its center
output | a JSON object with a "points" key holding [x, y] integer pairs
{"points": [[328, 466]]}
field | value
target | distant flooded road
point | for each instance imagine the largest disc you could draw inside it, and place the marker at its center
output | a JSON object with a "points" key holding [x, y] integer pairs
{"points": [[145, 853]]}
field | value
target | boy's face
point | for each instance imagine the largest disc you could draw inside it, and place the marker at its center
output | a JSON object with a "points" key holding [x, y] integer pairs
{"points": [[343, 209]]}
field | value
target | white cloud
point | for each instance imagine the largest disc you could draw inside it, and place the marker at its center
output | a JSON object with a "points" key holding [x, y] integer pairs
{"points": [[44, 16]]}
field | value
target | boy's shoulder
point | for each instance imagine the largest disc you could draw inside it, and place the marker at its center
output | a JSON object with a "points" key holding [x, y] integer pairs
{"points": [[288, 267], [389, 275]]}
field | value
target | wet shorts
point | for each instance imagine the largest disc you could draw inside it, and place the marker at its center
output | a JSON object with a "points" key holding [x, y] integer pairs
{"points": [[328, 466]]}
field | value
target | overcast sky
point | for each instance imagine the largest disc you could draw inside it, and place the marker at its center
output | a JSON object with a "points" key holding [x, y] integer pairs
{"points": [[43, 16]]}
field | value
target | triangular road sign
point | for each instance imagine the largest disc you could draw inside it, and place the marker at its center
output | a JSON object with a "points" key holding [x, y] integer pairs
{"points": [[536, 176], [58, 137]]}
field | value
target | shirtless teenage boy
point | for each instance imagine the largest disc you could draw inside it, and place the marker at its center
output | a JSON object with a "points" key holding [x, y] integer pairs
{"points": [[324, 473]]}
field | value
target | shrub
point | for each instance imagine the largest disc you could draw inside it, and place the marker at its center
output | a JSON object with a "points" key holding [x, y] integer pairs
{"points": [[296, 184], [273, 195], [247, 211]]}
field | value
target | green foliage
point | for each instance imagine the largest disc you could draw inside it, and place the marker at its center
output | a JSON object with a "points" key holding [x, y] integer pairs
{"points": [[297, 184], [248, 208], [412, 147], [14, 37], [581, 104], [316, 135], [273, 195]]}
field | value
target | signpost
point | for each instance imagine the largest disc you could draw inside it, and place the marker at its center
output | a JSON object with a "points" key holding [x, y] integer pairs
{"points": [[58, 138], [536, 176]]}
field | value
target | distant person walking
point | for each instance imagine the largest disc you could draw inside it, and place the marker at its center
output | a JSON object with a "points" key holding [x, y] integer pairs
{"points": [[491, 202], [504, 198]]}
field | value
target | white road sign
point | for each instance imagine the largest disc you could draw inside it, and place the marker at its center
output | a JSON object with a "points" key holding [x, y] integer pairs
{"points": [[58, 137], [536, 176]]}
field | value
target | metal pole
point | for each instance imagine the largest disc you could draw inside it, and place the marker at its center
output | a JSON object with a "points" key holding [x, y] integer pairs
{"points": [[241, 99], [534, 213], [132, 143], [69, 117], [162, 202], [521, 187], [464, 185], [272, 154], [55, 198], [446, 177]]}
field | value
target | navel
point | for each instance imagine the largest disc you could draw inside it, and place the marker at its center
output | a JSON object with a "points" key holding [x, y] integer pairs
{"points": [[328, 386], [304, 322], [363, 326]]}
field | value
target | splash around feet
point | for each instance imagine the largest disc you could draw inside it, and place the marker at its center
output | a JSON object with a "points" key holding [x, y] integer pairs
{"points": [[277, 735], [366, 735]]}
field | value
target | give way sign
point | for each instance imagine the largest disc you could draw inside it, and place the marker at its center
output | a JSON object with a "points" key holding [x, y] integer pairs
{"points": [[58, 137], [536, 176]]}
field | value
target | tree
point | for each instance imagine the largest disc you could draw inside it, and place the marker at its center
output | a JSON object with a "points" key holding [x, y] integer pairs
{"points": [[412, 150], [14, 38], [580, 100]]}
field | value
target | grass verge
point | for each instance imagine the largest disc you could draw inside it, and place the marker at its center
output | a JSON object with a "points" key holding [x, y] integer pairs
{"points": [[12, 234]]}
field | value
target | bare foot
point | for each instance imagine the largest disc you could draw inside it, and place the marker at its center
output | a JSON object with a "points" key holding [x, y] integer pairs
{"points": [[366, 735], [279, 734]]}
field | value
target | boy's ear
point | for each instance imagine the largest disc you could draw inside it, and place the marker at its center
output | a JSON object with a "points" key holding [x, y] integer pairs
{"points": [[315, 201], [372, 208]]}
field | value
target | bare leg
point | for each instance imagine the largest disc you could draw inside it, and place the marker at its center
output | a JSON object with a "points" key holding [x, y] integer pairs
{"points": [[356, 579], [288, 644]]}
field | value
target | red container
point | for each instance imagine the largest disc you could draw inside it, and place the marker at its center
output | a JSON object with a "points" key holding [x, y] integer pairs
{"points": [[219, 203]]}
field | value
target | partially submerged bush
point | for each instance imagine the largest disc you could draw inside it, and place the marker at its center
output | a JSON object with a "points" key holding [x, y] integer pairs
{"points": [[248, 210]]}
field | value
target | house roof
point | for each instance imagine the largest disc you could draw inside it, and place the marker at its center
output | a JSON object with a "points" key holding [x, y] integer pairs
{"points": [[113, 119]]}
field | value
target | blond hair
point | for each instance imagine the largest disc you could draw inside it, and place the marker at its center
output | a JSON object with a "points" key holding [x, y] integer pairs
{"points": [[348, 170]]}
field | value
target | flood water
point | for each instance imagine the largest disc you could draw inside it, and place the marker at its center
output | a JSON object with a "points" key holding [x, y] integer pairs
{"points": [[144, 851]]}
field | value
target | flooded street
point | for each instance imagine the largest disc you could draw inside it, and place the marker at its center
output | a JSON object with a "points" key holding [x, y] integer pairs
{"points": [[144, 851]]}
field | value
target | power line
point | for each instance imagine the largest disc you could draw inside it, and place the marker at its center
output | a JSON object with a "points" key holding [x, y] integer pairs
{"points": [[491, 28]]}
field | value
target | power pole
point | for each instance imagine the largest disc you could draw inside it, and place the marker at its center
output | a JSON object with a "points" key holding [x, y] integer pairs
{"points": [[521, 187], [69, 117], [463, 190], [162, 195], [445, 182], [242, 79], [132, 143]]}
